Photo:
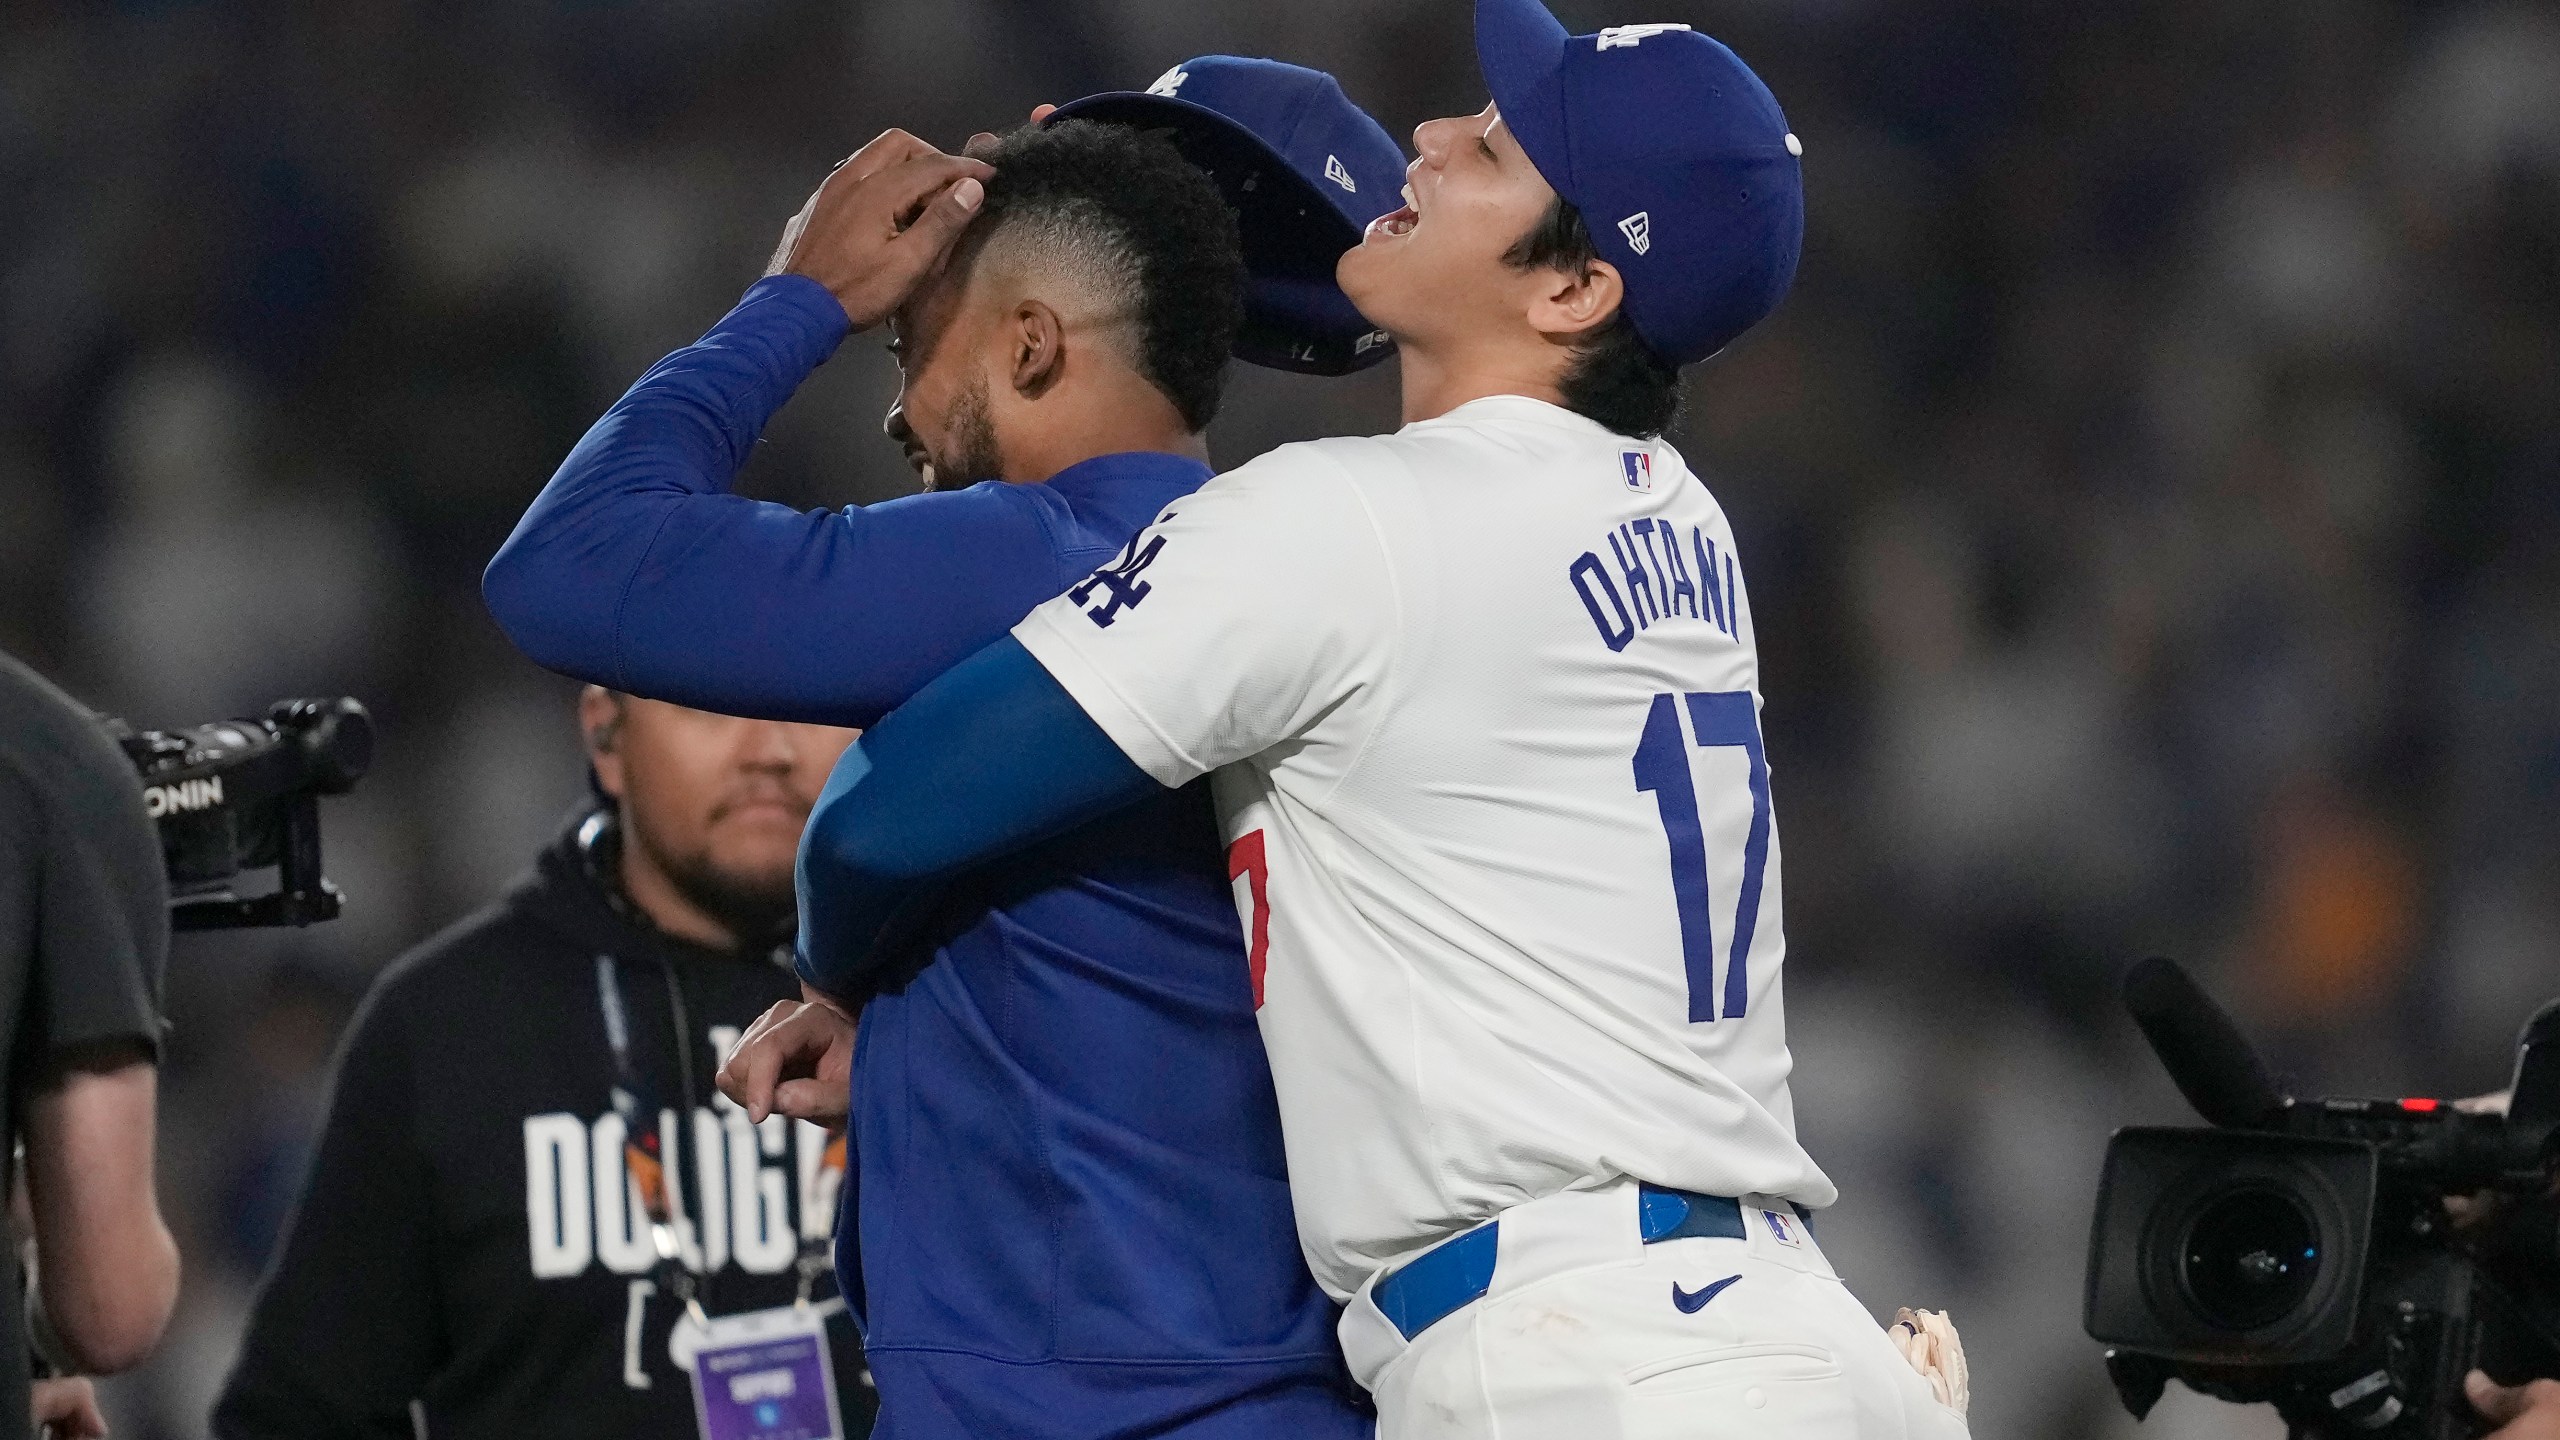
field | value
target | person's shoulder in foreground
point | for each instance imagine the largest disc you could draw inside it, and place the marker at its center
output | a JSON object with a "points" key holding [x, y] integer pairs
{"points": [[74, 804]]}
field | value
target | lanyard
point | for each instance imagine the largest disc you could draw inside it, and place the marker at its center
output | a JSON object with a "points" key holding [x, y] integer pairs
{"points": [[646, 1153]]}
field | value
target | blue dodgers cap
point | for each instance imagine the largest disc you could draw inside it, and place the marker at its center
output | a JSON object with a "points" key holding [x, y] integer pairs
{"points": [[1306, 171], [1677, 156]]}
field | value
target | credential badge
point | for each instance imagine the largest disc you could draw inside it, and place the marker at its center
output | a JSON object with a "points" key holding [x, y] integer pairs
{"points": [[1334, 172], [1638, 229], [1170, 82]]}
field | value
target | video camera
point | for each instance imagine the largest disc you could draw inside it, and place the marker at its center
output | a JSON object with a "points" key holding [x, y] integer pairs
{"points": [[240, 795], [2301, 1253]]}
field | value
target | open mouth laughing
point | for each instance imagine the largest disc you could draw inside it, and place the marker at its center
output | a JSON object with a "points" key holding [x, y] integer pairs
{"points": [[1398, 223]]}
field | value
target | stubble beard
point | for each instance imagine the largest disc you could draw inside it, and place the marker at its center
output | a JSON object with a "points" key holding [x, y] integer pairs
{"points": [[973, 454], [756, 907]]}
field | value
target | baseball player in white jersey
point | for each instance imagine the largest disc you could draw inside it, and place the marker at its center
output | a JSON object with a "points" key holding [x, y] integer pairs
{"points": [[1480, 703]]}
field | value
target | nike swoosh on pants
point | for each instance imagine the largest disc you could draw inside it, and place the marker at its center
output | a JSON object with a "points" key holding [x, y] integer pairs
{"points": [[1691, 1302]]}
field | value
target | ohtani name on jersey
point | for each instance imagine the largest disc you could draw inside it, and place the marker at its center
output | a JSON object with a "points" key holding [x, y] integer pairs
{"points": [[1648, 578]]}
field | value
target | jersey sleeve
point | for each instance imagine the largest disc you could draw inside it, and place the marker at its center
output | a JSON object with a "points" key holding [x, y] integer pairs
{"points": [[637, 569], [1247, 612]]}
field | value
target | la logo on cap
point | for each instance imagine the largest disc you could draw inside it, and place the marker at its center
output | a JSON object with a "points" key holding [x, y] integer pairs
{"points": [[1639, 231], [1170, 82]]}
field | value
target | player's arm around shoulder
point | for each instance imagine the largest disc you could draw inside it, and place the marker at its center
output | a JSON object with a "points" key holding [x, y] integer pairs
{"points": [[1245, 611]]}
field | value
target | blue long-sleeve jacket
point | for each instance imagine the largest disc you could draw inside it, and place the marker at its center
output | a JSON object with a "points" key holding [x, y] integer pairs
{"points": [[1071, 1203], [637, 569]]}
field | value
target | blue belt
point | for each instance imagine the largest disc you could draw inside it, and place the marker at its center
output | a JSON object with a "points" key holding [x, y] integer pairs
{"points": [[1456, 1272]]}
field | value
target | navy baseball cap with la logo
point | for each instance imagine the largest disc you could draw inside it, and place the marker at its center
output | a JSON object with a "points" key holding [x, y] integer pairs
{"points": [[1306, 171], [1677, 156]]}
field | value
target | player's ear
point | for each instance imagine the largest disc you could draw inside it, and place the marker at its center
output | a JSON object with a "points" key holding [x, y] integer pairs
{"points": [[600, 716], [1565, 304], [1037, 342]]}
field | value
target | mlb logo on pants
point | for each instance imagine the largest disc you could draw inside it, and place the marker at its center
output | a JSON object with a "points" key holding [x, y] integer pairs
{"points": [[1638, 467]]}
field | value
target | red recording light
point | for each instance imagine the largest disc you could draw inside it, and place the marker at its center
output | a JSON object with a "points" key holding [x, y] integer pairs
{"points": [[2420, 1106]]}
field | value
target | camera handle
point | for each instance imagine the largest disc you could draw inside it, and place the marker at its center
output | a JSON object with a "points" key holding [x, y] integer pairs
{"points": [[2533, 1098], [302, 895]]}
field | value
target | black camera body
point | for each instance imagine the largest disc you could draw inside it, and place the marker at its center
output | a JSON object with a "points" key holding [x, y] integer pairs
{"points": [[2301, 1253], [240, 795]]}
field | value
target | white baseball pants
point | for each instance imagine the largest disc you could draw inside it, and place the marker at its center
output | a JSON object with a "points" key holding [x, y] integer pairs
{"points": [[1590, 1334]]}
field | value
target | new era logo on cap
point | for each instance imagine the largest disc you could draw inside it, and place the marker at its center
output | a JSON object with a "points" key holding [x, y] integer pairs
{"points": [[1638, 229], [1334, 172]]}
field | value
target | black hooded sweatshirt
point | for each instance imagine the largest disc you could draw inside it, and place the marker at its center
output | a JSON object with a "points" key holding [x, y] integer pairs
{"points": [[453, 1268]]}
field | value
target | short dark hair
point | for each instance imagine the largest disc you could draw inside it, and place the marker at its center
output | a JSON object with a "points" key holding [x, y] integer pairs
{"points": [[1128, 204], [1615, 378]]}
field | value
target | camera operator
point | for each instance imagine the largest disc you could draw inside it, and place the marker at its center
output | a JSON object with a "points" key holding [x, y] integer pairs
{"points": [[476, 1249], [84, 935]]}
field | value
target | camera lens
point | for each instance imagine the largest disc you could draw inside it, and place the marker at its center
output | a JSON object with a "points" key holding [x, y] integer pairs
{"points": [[2250, 1256]]}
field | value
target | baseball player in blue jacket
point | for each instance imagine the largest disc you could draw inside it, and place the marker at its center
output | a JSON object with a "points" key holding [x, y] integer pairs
{"points": [[1071, 1206]]}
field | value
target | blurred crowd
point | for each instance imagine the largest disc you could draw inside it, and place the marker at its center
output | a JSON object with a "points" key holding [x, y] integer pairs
{"points": [[2150, 494]]}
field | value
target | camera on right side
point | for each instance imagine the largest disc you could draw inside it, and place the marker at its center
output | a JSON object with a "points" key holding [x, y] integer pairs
{"points": [[2347, 1261]]}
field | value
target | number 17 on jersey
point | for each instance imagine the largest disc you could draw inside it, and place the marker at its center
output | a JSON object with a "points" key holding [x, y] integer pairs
{"points": [[1725, 717]]}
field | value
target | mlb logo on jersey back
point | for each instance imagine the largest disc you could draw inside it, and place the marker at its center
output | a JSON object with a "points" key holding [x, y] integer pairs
{"points": [[1637, 466], [1783, 1228]]}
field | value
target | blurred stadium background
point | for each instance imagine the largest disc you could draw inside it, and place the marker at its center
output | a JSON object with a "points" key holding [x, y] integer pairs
{"points": [[2151, 493]]}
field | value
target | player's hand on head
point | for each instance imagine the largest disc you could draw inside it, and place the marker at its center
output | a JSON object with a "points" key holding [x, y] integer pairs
{"points": [[881, 222], [795, 1060], [986, 140], [2530, 1411]]}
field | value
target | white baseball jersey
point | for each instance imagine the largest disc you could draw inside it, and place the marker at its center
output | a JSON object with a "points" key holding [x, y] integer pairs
{"points": [[1482, 706]]}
